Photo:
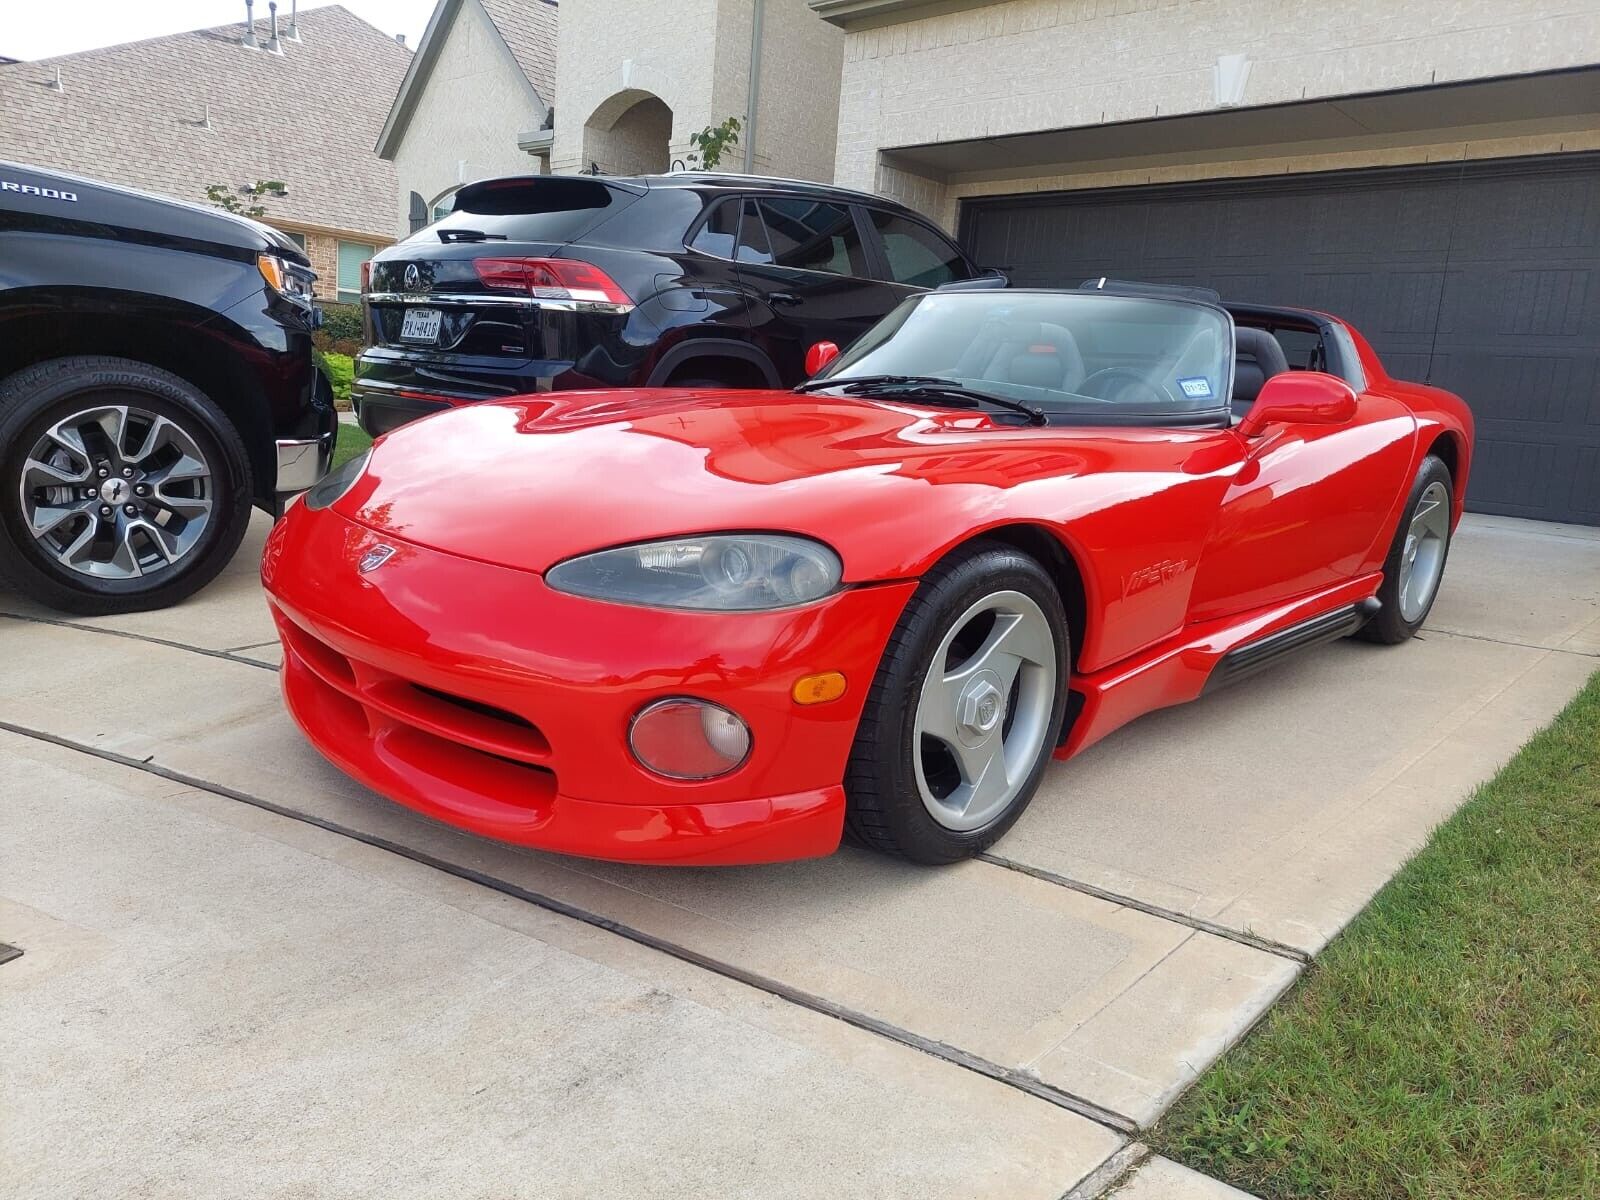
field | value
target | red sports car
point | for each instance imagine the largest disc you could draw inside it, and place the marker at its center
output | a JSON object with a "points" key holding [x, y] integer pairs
{"points": [[702, 626]]}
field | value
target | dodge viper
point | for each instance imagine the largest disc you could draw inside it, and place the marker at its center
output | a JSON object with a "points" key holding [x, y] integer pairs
{"points": [[703, 626]]}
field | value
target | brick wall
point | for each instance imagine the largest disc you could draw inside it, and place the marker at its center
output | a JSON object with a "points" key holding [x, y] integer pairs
{"points": [[324, 251], [322, 248]]}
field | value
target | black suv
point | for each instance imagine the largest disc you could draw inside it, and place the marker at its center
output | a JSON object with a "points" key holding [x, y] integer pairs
{"points": [[545, 282], [156, 380]]}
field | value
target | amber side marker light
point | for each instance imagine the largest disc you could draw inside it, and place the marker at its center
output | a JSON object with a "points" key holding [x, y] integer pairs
{"points": [[818, 689]]}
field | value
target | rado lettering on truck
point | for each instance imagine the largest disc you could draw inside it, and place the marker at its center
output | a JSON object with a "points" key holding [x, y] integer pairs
{"points": [[27, 189]]}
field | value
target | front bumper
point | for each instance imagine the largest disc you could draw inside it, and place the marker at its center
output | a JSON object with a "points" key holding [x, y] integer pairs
{"points": [[480, 697], [303, 461]]}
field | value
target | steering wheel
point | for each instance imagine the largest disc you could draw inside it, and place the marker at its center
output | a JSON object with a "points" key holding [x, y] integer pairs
{"points": [[1132, 383]]}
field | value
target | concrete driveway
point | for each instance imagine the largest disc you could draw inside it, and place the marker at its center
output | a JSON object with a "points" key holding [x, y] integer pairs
{"points": [[244, 973]]}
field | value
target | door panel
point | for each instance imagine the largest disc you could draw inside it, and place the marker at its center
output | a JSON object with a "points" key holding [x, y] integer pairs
{"points": [[1305, 509], [808, 281]]}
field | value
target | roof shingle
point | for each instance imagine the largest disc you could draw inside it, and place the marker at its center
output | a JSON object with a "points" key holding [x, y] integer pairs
{"points": [[529, 28], [135, 114]]}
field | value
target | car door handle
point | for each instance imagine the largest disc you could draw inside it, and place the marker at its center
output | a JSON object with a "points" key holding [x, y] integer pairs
{"points": [[787, 298]]}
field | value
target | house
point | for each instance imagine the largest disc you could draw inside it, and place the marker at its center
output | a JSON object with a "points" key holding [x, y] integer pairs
{"points": [[634, 81], [475, 102], [1431, 172], [177, 114]]}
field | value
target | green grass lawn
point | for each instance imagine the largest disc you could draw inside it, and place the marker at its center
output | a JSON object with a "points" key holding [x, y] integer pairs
{"points": [[351, 442], [1447, 1044]]}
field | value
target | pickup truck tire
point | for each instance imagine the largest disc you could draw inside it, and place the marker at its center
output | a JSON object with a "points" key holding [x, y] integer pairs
{"points": [[122, 486]]}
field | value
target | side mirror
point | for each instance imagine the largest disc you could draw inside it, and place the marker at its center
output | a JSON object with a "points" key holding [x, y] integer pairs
{"points": [[1299, 398], [819, 356]]}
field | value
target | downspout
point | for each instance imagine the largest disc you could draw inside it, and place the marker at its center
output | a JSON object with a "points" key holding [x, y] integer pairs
{"points": [[754, 95]]}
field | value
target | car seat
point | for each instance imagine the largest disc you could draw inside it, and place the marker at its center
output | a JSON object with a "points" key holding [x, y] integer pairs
{"points": [[1031, 353], [1257, 358]]}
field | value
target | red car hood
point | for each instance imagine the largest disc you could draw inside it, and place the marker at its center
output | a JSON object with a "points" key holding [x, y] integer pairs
{"points": [[529, 482]]}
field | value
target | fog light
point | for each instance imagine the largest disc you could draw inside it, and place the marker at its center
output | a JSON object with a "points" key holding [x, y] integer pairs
{"points": [[688, 739]]}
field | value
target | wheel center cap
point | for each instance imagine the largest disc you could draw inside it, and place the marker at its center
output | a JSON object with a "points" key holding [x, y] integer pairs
{"points": [[981, 707], [116, 491]]}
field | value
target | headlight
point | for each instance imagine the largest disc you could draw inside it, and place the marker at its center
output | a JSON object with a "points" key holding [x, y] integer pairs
{"points": [[724, 572], [286, 278], [337, 482]]}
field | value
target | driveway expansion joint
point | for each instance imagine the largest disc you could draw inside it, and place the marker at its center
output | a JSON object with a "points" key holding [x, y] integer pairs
{"points": [[1200, 924], [1482, 637], [1114, 1171], [224, 655], [1018, 1079]]}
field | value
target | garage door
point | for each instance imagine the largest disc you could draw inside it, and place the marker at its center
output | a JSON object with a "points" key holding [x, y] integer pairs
{"points": [[1483, 278]]}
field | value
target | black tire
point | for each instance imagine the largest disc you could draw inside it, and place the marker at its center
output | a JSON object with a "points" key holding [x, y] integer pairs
{"points": [[34, 399], [885, 809], [1390, 626]]}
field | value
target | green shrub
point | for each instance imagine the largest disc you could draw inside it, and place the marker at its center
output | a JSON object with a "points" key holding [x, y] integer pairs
{"points": [[341, 322], [340, 370]]}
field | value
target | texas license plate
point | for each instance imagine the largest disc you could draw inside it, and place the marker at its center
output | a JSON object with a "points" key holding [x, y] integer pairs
{"points": [[420, 325]]}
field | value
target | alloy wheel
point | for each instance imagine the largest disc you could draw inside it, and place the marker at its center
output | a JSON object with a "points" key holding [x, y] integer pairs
{"points": [[984, 710], [116, 492], [1422, 557]]}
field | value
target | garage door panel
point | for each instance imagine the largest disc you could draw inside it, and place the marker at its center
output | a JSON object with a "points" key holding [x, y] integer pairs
{"points": [[1553, 389], [1481, 277]]}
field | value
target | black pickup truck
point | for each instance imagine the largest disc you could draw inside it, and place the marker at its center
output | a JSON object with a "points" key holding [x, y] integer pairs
{"points": [[156, 381]]}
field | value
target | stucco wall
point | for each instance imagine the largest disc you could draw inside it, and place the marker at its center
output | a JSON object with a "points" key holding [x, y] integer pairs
{"points": [[466, 122], [695, 56], [1027, 65], [798, 111]]}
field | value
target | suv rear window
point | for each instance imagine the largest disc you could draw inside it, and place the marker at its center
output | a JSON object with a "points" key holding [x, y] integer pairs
{"points": [[532, 208]]}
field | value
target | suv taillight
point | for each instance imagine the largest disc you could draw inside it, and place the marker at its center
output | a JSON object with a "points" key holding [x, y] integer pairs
{"points": [[553, 279], [366, 276]]}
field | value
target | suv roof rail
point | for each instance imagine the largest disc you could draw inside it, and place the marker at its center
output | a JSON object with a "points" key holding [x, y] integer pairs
{"points": [[738, 177]]}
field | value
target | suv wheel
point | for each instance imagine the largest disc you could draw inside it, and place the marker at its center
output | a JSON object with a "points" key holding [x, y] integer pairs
{"points": [[122, 487]]}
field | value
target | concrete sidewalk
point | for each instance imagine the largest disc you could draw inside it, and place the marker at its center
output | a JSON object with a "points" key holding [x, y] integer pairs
{"points": [[1162, 891]]}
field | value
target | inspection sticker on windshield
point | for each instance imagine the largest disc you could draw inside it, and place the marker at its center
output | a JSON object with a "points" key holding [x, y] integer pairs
{"points": [[1197, 388]]}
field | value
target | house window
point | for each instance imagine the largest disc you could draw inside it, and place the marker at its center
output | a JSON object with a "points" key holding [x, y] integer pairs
{"points": [[351, 256], [299, 239]]}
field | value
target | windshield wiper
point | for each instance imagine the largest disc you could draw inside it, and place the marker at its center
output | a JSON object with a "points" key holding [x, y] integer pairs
{"points": [[469, 235], [815, 385], [927, 387]]}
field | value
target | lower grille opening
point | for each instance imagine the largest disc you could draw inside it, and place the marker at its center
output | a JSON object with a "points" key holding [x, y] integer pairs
{"points": [[477, 706]]}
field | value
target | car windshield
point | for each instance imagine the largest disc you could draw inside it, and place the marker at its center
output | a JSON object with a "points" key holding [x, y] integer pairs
{"points": [[1103, 358]]}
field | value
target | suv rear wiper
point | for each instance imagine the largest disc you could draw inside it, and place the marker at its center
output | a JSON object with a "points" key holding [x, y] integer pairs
{"points": [[927, 387], [469, 235]]}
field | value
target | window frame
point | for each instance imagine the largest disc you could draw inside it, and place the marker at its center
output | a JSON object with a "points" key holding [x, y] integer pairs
{"points": [[340, 292], [868, 249], [850, 207], [698, 226], [880, 255]]}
